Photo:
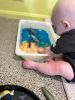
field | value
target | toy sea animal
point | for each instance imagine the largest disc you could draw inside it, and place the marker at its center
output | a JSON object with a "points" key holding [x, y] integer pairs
{"points": [[47, 94], [34, 38], [5, 92]]}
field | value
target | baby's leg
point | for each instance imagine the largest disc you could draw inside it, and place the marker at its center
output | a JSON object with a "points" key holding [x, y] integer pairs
{"points": [[51, 68]]}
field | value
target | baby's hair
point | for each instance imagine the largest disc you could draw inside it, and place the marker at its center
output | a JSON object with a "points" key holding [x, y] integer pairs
{"points": [[65, 9]]}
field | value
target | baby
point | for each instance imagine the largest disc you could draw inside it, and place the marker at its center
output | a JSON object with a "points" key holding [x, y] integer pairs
{"points": [[63, 19]]}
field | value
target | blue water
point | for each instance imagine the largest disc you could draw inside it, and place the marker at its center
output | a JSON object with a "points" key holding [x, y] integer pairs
{"points": [[41, 35]]}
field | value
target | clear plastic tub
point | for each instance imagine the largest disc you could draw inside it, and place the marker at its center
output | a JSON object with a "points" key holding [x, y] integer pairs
{"points": [[34, 25]]}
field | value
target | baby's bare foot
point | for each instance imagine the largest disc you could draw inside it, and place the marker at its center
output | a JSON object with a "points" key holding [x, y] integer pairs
{"points": [[29, 64]]}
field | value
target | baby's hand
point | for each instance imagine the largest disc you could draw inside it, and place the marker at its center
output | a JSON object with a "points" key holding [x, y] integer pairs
{"points": [[46, 50]]}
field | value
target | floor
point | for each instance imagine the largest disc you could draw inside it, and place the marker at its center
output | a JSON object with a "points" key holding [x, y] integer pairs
{"points": [[11, 71], [69, 89]]}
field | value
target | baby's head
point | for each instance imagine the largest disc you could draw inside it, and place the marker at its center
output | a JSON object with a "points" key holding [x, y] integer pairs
{"points": [[63, 16]]}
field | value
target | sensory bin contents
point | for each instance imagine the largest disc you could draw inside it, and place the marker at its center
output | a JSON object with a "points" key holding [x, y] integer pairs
{"points": [[31, 39]]}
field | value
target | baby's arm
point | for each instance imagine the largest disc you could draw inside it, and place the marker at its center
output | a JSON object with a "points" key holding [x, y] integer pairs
{"points": [[51, 54], [46, 50]]}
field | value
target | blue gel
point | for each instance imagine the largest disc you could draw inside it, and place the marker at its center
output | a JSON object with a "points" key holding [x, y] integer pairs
{"points": [[41, 35]]}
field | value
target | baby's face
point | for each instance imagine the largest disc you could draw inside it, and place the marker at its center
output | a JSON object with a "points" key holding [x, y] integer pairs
{"points": [[58, 15], [57, 24]]}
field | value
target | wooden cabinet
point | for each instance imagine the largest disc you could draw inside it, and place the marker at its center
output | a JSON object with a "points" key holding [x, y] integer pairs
{"points": [[38, 9]]}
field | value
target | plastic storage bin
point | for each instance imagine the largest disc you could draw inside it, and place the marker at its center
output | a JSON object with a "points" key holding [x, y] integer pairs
{"points": [[34, 25]]}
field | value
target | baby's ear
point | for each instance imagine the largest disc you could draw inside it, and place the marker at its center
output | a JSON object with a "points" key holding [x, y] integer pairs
{"points": [[66, 24]]}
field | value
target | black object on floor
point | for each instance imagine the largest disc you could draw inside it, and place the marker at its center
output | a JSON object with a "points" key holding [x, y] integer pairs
{"points": [[20, 93]]}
